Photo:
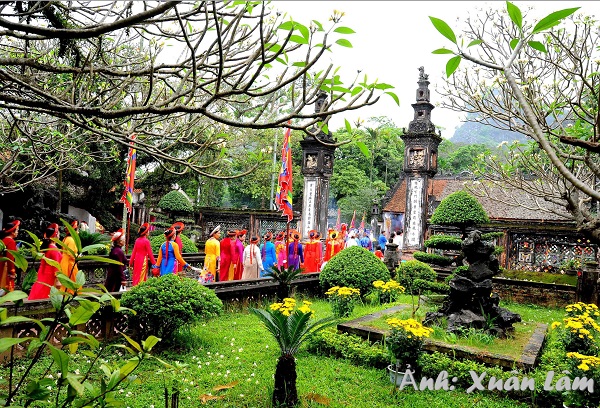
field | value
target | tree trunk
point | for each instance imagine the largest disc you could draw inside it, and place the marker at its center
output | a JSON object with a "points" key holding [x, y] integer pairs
{"points": [[285, 393]]}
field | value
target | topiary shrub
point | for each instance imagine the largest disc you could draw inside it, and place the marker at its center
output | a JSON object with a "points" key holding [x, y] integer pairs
{"points": [[459, 209], [433, 259], [165, 304], [353, 267], [188, 245], [175, 201], [410, 274], [441, 241]]}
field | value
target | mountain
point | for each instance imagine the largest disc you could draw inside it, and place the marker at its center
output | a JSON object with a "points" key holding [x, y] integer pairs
{"points": [[479, 133]]}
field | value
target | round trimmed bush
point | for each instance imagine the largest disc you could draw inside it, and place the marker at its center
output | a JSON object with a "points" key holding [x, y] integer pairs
{"points": [[353, 267], [167, 303], [188, 245], [410, 274], [459, 209], [175, 201]]}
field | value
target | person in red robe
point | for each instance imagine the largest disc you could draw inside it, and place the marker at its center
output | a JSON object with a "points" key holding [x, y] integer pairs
{"points": [[238, 255], [142, 258], [226, 248], [46, 277], [8, 270], [178, 227]]}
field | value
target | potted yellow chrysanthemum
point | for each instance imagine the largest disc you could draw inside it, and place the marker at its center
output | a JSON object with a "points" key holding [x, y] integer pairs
{"points": [[405, 343]]}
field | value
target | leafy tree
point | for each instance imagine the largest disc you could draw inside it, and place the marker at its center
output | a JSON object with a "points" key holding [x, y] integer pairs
{"points": [[539, 79], [101, 73]]}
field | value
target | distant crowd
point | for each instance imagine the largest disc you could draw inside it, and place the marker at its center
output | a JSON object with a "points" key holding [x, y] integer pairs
{"points": [[226, 259]]}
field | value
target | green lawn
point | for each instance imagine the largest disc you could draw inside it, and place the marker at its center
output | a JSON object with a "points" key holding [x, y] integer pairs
{"points": [[238, 352]]}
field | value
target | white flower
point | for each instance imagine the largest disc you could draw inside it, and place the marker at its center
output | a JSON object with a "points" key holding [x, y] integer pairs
{"points": [[240, 350], [237, 358], [221, 356]]}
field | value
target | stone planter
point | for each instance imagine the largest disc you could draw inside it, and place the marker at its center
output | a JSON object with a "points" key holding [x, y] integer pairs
{"points": [[396, 377]]}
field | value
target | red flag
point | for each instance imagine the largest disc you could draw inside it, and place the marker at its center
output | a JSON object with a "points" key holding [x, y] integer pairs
{"points": [[338, 222], [127, 197], [361, 228], [284, 186], [352, 222]]}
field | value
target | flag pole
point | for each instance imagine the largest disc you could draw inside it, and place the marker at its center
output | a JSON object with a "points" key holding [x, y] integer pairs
{"points": [[287, 244]]}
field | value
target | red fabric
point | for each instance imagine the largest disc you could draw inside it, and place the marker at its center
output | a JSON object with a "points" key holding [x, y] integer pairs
{"points": [[142, 252], [225, 259], [379, 254], [7, 268], [312, 256], [238, 259], [180, 244], [46, 274]]}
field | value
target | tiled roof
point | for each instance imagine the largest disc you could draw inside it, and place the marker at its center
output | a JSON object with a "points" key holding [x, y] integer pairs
{"points": [[440, 188]]}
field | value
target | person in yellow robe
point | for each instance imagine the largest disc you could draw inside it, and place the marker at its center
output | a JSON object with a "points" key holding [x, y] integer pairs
{"points": [[212, 255], [67, 263]]}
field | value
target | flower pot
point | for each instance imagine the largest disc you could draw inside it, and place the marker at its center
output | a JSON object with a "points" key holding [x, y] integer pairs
{"points": [[396, 377]]}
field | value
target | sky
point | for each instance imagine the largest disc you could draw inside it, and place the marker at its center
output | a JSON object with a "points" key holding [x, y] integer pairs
{"points": [[394, 38]]}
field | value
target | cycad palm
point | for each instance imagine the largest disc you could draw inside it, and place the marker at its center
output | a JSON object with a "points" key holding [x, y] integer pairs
{"points": [[289, 327]]}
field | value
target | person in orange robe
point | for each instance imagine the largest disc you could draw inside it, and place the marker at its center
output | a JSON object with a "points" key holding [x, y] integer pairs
{"points": [[141, 257], [8, 269], [178, 227], [46, 276], [332, 245], [311, 257], [237, 259], [225, 247], [67, 264]]}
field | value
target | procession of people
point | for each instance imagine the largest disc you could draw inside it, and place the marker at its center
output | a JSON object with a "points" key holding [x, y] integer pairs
{"points": [[227, 259]]}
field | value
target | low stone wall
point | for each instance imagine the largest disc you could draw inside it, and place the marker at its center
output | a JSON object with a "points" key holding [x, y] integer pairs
{"points": [[105, 324], [535, 293], [541, 294]]}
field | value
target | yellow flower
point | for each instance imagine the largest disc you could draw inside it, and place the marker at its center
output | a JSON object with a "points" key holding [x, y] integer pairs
{"points": [[555, 325]]}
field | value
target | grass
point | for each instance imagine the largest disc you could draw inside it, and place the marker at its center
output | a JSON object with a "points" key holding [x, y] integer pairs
{"points": [[542, 277], [476, 339], [237, 353]]}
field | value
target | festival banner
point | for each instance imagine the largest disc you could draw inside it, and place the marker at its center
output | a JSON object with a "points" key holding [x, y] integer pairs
{"points": [[127, 197], [283, 198]]}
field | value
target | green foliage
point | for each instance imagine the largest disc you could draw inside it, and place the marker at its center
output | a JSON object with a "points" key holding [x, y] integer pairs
{"points": [[458, 271], [353, 267], [74, 307], [441, 241], [95, 238], [188, 245], [434, 259], [174, 201], [284, 276], [459, 209], [488, 236], [343, 345], [410, 273], [168, 303]]}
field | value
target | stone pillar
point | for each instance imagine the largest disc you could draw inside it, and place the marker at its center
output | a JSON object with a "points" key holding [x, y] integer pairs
{"points": [[317, 168], [420, 165]]}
